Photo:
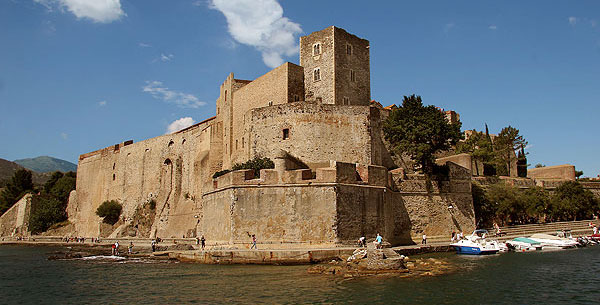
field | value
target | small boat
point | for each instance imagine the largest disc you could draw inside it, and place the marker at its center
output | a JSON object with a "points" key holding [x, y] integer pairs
{"points": [[523, 244], [553, 242], [476, 244]]}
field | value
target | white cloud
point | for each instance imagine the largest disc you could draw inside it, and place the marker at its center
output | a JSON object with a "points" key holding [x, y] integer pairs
{"points": [[180, 124], [144, 45], [572, 20], [102, 103], [102, 11], [167, 57], [64, 135], [260, 24], [493, 27], [183, 100]]}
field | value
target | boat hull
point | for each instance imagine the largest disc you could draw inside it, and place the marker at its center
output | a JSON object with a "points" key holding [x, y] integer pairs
{"points": [[474, 250]]}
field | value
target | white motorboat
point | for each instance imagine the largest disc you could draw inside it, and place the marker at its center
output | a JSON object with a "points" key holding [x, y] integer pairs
{"points": [[523, 244], [476, 244], [553, 242]]}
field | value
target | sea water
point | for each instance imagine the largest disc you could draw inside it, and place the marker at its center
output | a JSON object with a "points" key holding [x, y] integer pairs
{"points": [[558, 277]]}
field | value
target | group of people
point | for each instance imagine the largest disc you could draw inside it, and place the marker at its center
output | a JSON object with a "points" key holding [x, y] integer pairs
{"points": [[456, 236], [362, 241]]}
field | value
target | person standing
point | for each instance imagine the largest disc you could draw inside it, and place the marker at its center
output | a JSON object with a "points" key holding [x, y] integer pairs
{"points": [[253, 242], [130, 248], [117, 248], [203, 242], [153, 243], [453, 236], [424, 240], [378, 241]]}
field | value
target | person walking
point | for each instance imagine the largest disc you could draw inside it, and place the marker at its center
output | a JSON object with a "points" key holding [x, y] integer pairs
{"points": [[130, 248], [253, 242], [117, 248], [424, 240], [203, 242]]}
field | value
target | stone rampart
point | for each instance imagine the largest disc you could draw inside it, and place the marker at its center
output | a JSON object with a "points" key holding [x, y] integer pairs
{"points": [[15, 221], [170, 170], [561, 172]]}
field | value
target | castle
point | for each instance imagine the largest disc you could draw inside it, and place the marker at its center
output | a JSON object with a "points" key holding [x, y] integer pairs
{"points": [[334, 178]]}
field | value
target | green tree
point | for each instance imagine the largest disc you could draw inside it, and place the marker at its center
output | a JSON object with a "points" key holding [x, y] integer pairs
{"points": [[420, 131], [52, 180], [62, 188], [110, 210], [46, 210], [479, 147], [578, 174], [522, 164], [19, 184], [505, 145], [572, 202], [536, 201]]}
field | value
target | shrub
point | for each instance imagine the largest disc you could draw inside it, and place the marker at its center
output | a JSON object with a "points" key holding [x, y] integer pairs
{"points": [[46, 210], [152, 204], [256, 164], [220, 173], [110, 210]]}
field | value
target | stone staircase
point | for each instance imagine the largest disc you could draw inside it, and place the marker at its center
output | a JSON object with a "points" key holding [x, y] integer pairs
{"points": [[579, 227]]}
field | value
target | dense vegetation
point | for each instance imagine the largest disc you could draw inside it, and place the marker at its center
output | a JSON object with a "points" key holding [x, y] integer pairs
{"points": [[110, 210], [507, 204], [19, 185], [49, 206], [420, 131], [256, 164], [498, 154]]}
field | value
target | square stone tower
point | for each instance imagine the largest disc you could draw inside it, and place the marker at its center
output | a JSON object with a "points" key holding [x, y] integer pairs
{"points": [[336, 67]]}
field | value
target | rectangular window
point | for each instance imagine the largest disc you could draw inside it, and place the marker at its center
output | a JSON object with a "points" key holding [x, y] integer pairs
{"points": [[352, 76], [317, 74], [270, 103], [286, 133], [296, 98], [349, 49], [346, 100], [316, 49]]}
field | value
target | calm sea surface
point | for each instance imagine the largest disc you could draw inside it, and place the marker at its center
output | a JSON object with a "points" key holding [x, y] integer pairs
{"points": [[561, 277]]}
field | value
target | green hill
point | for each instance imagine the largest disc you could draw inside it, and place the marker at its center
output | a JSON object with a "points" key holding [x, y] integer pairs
{"points": [[46, 164], [8, 169]]}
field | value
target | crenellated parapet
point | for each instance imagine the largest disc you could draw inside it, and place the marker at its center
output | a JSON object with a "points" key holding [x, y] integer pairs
{"points": [[336, 173]]}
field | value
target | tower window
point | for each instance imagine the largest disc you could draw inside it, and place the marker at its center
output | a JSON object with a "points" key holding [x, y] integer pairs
{"points": [[286, 133], [349, 49], [226, 95], [352, 76], [346, 100], [243, 142], [317, 74], [296, 98], [270, 103], [236, 144], [316, 49]]}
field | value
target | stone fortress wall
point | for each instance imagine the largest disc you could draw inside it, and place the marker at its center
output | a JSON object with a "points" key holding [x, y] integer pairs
{"points": [[331, 183]]}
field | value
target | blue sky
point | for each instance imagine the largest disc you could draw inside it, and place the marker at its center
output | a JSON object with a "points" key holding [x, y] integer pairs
{"points": [[79, 75]]}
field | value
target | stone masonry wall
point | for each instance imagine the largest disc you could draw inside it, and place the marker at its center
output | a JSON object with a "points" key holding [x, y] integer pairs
{"points": [[317, 132], [16, 219], [357, 90], [324, 88], [171, 169], [281, 85]]}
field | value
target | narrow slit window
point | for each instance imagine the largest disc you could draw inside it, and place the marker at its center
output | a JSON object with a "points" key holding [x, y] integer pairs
{"points": [[286, 133], [346, 100], [349, 49], [352, 76]]}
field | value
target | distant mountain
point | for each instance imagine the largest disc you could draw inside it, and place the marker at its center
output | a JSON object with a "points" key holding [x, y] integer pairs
{"points": [[46, 164], [8, 169]]}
